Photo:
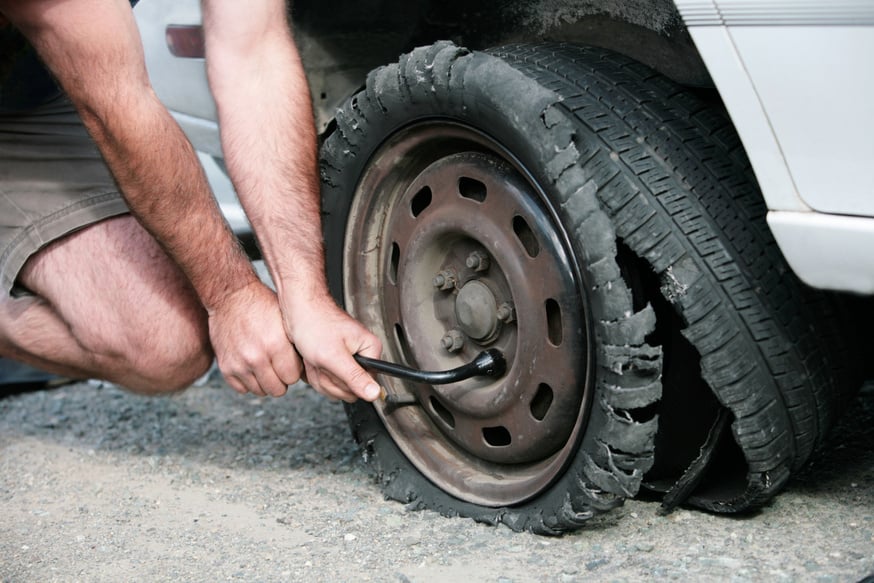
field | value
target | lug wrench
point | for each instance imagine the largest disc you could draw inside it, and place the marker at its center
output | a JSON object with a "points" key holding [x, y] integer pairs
{"points": [[489, 363]]}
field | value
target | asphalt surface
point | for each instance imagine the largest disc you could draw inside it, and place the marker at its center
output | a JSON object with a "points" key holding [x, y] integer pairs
{"points": [[97, 484]]}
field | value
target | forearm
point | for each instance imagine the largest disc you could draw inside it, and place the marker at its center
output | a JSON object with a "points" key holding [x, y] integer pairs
{"points": [[269, 142]]}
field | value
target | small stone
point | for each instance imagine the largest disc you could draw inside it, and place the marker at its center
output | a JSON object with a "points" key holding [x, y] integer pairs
{"points": [[594, 564]]}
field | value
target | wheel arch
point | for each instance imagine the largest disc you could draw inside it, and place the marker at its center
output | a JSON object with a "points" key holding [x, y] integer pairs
{"points": [[339, 47]]}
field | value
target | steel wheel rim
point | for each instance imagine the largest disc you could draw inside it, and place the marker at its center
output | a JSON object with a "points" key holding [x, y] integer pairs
{"points": [[448, 236]]}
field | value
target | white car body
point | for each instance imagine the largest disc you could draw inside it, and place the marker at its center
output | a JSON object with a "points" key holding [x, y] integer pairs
{"points": [[798, 81]]}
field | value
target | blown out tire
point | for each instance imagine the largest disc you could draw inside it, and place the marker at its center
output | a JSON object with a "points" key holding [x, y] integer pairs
{"points": [[444, 155], [744, 341]]}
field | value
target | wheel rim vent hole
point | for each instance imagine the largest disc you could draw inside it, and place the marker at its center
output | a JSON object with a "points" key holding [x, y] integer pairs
{"points": [[442, 412], [554, 329], [401, 339], [497, 436], [472, 189], [421, 201], [541, 402], [394, 261], [526, 236]]}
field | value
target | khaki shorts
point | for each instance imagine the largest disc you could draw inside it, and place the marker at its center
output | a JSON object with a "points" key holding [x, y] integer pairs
{"points": [[53, 181]]}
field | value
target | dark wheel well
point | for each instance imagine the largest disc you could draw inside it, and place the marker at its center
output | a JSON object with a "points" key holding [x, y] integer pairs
{"points": [[340, 45]]}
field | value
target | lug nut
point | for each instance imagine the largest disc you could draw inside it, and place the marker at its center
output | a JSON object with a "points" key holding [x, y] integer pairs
{"points": [[506, 313], [445, 280], [478, 261], [453, 340]]}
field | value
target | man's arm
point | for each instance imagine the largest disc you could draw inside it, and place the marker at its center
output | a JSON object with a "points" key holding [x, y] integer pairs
{"points": [[94, 50], [269, 143]]}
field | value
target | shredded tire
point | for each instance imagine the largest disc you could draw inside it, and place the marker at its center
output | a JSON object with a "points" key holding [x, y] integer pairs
{"points": [[526, 113], [736, 323]]}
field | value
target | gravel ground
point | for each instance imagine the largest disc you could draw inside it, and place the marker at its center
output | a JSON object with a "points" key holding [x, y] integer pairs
{"points": [[100, 485]]}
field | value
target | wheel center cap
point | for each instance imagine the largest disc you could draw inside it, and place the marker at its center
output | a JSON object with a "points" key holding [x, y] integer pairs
{"points": [[476, 311]]}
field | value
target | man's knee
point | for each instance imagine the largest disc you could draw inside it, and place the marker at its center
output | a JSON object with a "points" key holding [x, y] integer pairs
{"points": [[167, 365], [166, 357], [164, 353], [126, 305], [173, 378]]}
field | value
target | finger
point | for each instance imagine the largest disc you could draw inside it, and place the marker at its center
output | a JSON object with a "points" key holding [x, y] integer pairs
{"points": [[250, 384], [236, 385], [336, 393], [242, 383], [350, 375], [270, 383], [335, 388], [323, 384], [288, 366], [266, 375]]}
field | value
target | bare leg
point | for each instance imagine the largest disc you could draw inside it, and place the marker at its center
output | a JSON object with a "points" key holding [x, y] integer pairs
{"points": [[108, 303]]}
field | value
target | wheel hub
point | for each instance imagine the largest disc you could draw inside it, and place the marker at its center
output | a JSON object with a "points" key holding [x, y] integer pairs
{"points": [[477, 311]]}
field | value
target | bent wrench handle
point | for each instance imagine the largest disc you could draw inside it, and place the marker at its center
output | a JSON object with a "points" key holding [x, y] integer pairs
{"points": [[489, 363]]}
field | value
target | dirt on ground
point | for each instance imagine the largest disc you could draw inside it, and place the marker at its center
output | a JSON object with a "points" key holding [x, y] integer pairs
{"points": [[97, 484]]}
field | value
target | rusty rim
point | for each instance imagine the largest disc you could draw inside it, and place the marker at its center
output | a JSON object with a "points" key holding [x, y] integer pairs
{"points": [[450, 249]]}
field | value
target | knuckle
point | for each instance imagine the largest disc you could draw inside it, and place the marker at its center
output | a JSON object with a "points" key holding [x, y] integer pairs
{"points": [[278, 390]]}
